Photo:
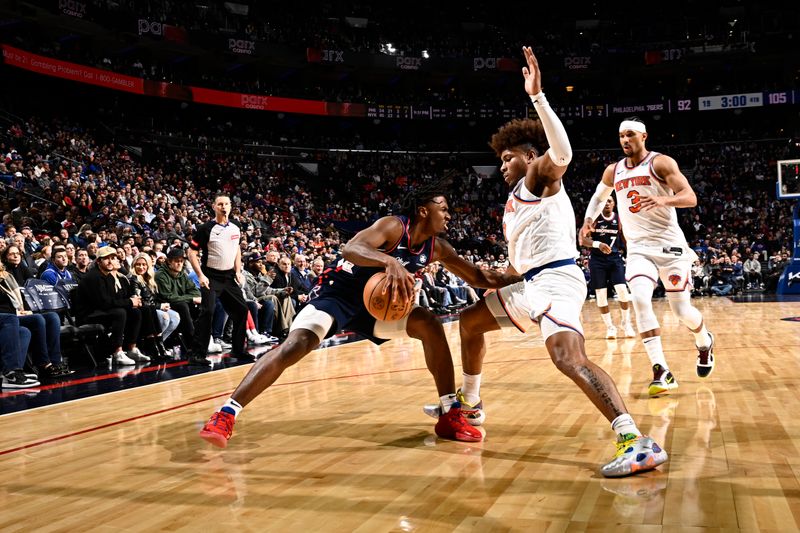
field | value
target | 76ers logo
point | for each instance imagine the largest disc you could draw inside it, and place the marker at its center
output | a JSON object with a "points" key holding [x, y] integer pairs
{"points": [[674, 279]]}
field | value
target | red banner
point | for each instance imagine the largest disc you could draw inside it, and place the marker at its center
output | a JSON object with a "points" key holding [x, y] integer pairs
{"points": [[71, 71], [104, 78], [257, 101]]}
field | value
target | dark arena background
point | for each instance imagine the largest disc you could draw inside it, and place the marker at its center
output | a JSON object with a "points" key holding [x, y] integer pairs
{"points": [[121, 121]]}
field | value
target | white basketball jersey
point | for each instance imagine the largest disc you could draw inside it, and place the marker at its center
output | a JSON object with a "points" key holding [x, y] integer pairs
{"points": [[538, 230], [645, 229]]}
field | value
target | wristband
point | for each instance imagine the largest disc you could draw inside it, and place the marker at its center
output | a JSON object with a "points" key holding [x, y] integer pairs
{"points": [[595, 244], [539, 98]]}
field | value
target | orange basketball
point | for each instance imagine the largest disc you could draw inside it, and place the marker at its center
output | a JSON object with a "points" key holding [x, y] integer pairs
{"points": [[380, 305]]}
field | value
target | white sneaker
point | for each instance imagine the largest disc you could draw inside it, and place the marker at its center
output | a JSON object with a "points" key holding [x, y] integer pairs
{"points": [[258, 338], [121, 359], [225, 345], [629, 331], [138, 356], [611, 332], [271, 339], [213, 347]]}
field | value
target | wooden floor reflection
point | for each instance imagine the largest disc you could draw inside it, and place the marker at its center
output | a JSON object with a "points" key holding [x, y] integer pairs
{"points": [[340, 443]]}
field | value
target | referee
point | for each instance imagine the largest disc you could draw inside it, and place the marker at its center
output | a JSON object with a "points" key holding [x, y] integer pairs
{"points": [[219, 273]]}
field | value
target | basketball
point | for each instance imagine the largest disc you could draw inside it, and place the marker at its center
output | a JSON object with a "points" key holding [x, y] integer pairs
{"points": [[379, 304]]}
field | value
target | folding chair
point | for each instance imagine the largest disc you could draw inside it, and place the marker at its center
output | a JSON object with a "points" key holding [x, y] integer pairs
{"points": [[44, 297]]}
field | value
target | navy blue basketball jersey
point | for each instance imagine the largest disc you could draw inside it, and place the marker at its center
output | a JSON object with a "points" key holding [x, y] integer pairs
{"points": [[607, 231], [345, 273]]}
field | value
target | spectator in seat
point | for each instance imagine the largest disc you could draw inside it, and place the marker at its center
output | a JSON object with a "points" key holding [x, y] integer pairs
{"points": [[14, 342], [57, 269], [45, 329], [176, 289], [438, 297], [259, 283], [158, 320], [272, 259], [81, 266], [752, 271], [105, 296], [26, 248], [122, 261], [284, 278], [14, 265], [301, 272], [317, 267], [70, 252], [721, 283]]}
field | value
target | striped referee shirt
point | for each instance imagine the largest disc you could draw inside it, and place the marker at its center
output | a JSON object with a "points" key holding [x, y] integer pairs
{"points": [[219, 244]]}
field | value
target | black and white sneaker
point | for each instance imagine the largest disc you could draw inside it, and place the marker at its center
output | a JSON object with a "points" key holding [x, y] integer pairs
{"points": [[705, 359], [16, 379]]}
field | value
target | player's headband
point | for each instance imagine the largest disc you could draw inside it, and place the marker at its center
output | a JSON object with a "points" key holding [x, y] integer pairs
{"points": [[634, 125]]}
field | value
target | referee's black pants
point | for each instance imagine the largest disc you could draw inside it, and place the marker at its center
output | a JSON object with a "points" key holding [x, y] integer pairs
{"points": [[229, 293]]}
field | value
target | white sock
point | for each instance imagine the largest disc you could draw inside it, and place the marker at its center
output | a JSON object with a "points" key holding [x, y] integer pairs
{"points": [[471, 389], [232, 406], [624, 424], [655, 352], [626, 315], [447, 401], [702, 339], [607, 319]]}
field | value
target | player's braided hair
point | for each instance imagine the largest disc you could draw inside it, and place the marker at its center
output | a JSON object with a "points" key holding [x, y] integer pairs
{"points": [[519, 132], [424, 193]]}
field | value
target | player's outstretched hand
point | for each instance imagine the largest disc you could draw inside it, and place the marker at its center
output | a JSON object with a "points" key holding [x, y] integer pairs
{"points": [[533, 77]]}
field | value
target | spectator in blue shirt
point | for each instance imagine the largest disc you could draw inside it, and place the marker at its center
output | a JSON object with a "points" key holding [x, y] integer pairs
{"points": [[57, 269]]}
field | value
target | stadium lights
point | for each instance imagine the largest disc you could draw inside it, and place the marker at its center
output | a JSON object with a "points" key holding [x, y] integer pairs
{"points": [[425, 54]]}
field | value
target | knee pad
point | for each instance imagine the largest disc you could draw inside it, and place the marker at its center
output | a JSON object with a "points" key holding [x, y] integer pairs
{"points": [[622, 292], [602, 297], [681, 305], [642, 298]]}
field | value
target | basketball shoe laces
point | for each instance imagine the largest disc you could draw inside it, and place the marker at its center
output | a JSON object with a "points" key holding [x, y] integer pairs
{"points": [[223, 422], [460, 423], [623, 445]]}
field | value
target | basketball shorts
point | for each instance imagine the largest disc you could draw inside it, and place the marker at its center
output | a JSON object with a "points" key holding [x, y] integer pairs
{"points": [[603, 269], [674, 269], [333, 310], [554, 299]]}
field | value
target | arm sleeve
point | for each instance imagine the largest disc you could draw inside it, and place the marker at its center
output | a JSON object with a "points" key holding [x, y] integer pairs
{"points": [[598, 200], [560, 150]]}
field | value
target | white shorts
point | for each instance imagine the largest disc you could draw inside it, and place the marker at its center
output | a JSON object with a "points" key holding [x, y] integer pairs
{"points": [[675, 271], [554, 299]]}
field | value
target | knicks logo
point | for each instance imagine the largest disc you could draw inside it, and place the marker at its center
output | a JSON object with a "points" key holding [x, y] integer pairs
{"points": [[674, 279]]}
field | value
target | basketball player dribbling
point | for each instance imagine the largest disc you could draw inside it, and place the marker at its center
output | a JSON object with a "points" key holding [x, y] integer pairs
{"points": [[402, 245], [539, 226], [649, 186], [606, 263]]}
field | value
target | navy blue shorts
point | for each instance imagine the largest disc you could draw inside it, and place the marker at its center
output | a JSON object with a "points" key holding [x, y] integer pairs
{"points": [[347, 309], [604, 269]]}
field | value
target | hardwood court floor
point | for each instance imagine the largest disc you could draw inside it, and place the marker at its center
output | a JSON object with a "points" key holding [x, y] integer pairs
{"points": [[341, 444]]}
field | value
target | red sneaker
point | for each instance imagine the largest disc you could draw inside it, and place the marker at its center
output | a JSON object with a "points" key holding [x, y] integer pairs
{"points": [[218, 429], [453, 426]]}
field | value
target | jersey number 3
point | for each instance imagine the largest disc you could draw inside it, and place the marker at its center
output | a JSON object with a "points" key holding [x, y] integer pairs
{"points": [[633, 196]]}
